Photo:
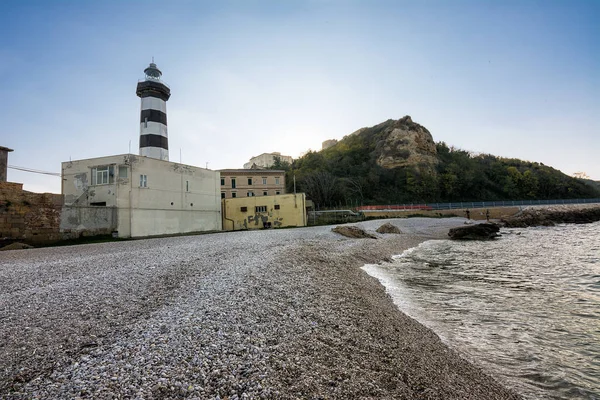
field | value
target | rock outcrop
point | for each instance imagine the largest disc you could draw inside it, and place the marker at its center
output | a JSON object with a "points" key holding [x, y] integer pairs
{"points": [[475, 232], [16, 246], [542, 217], [353, 232], [388, 228], [404, 143]]}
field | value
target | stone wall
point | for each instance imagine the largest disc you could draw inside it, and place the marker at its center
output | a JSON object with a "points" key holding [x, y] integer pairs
{"points": [[32, 218]]}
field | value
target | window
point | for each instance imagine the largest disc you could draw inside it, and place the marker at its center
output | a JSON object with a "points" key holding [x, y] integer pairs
{"points": [[244, 209], [122, 172], [222, 195], [222, 181], [261, 209], [250, 181], [143, 181], [98, 204], [250, 194], [265, 193], [102, 175], [277, 192], [187, 186], [233, 183], [264, 181], [233, 195], [146, 122], [277, 180], [277, 206]]}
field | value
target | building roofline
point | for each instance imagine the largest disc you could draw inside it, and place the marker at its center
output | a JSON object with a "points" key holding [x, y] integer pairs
{"points": [[6, 149], [137, 155]]}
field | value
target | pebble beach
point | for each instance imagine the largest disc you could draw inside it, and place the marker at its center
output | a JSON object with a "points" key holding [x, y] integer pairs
{"points": [[269, 314]]}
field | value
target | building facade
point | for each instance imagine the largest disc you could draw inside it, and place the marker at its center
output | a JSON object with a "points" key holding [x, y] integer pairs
{"points": [[266, 160], [139, 196], [236, 183], [266, 211]]}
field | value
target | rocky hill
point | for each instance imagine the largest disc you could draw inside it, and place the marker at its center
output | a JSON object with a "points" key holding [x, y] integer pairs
{"points": [[397, 161], [401, 143]]}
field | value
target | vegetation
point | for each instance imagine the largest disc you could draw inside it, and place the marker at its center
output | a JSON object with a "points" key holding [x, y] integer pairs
{"points": [[347, 174]]}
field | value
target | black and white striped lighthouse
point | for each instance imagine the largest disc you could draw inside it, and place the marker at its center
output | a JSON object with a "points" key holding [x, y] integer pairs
{"points": [[154, 139]]}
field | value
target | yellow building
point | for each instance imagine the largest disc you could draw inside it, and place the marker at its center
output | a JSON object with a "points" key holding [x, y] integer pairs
{"points": [[258, 212], [251, 182]]}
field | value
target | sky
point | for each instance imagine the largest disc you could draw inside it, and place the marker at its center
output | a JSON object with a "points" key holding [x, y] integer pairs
{"points": [[517, 79]]}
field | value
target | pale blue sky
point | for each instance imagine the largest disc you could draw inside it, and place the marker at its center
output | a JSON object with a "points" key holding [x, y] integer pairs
{"points": [[512, 78]]}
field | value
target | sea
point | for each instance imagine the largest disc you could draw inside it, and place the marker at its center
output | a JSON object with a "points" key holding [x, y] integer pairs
{"points": [[524, 307]]}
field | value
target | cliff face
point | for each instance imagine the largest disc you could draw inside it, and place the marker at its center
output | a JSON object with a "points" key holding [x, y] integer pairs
{"points": [[405, 143]]}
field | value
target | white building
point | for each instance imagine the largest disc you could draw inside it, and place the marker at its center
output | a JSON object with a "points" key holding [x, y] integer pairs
{"points": [[145, 195], [139, 196], [265, 160]]}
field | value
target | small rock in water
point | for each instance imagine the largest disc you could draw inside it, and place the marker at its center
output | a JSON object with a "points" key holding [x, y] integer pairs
{"points": [[475, 232]]}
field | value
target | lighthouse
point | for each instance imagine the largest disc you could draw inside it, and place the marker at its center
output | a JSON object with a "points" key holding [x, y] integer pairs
{"points": [[154, 139]]}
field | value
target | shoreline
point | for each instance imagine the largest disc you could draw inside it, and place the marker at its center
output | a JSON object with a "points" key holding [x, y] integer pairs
{"points": [[247, 315]]}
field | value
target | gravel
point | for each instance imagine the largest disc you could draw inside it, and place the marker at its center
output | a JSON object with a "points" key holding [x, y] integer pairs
{"points": [[270, 314]]}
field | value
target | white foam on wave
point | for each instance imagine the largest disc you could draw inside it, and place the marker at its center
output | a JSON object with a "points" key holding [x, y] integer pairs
{"points": [[386, 274]]}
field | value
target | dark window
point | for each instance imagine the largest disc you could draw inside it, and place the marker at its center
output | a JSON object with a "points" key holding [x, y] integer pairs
{"points": [[222, 181], [233, 183], [277, 206], [265, 193], [222, 195], [234, 195], [244, 209], [99, 204], [249, 181], [261, 209], [277, 192]]}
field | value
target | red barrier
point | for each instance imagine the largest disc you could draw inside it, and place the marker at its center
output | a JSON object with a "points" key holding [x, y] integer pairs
{"points": [[395, 208]]}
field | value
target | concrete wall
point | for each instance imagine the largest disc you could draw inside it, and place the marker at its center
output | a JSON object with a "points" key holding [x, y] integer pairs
{"points": [[474, 213], [4, 162], [291, 212], [27, 217], [174, 198], [88, 221]]}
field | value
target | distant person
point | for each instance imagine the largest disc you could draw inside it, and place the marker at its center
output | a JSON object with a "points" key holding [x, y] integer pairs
{"points": [[468, 213], [487, 215]]}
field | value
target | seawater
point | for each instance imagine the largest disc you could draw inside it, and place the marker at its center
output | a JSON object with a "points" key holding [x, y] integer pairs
{"points": [[524, 307]]}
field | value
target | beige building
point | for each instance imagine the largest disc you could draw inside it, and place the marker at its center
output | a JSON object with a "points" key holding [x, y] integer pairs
{"points": [[137, 196], [237, 183], [266, 160], [266, 211]]}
